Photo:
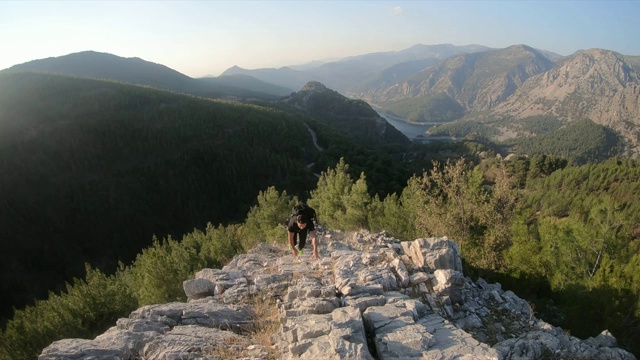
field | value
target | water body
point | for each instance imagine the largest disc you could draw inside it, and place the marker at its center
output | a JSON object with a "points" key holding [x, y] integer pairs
{"points": [[410, 130], [415, 132]]}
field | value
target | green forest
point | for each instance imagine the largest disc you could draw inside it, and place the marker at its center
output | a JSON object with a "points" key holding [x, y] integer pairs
{"points": [[580, 141], [353, 117], [92, 170], [438, 107], [566, 240], [112, 195]]}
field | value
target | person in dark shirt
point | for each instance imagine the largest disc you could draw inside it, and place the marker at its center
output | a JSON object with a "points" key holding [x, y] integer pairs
{"points": [[299, 227]]}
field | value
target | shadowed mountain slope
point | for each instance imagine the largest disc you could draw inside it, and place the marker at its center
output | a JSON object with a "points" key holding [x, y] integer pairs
{"points": [[136, 71], [349, 116], [93, 169]]}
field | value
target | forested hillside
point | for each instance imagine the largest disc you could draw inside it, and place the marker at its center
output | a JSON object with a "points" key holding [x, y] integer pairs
{"points": [[91, 170], [581, 141], [350, 116], [575, 242], [563, 237]]}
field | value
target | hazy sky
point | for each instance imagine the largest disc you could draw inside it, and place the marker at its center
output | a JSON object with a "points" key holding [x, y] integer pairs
{"points": [[207, 37]]}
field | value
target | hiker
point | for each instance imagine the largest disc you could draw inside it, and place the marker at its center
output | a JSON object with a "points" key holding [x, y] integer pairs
{"points": [[299, 226]]}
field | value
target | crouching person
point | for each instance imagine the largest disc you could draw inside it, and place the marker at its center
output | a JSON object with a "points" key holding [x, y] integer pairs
{"points": [[299, 227]]}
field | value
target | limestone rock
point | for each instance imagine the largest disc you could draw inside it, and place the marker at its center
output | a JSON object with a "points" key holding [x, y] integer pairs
{"points": [[370, 296], [436, 253]]}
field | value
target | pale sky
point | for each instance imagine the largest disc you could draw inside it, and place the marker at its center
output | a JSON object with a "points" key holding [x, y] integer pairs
{"points": [[199, 38]]}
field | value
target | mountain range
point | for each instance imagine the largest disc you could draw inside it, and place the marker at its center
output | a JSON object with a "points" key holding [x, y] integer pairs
{"points": [[476, 81], [136, 71], [349, 73], [94, 171], [496, 88], [597, 84]]}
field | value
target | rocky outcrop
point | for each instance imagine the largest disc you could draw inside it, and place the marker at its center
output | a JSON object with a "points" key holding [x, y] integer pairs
{"points": [[477, 81], [369, 297], [596, 84]]}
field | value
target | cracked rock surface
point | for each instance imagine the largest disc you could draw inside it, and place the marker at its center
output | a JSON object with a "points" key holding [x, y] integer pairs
{"points": [[370, 296]]}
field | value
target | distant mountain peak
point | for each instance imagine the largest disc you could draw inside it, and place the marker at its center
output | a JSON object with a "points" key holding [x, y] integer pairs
{"points": [[520, 47], [595, 84], [345, 115], [314, 86], [477, 81]]}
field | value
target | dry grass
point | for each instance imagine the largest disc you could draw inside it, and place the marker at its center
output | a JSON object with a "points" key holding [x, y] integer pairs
{"points": [[257, 338], [270, 270], [230, 349], [266, 322]]}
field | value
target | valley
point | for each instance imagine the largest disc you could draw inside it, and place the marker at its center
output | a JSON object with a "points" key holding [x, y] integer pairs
{"points": [[412, 131], [111, 165], [415, 132]]}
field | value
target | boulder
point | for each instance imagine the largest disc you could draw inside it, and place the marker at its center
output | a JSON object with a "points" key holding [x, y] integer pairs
{"points": [[436, 253]]}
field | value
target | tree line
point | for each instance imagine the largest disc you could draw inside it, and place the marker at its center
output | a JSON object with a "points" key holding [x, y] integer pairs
{"points": [[581, 141], [92, 170], [565, 238]]}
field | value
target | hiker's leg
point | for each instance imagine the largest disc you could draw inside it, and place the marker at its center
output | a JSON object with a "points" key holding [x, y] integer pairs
{"points": [[292, 241], [314, 242], [303, 239]]}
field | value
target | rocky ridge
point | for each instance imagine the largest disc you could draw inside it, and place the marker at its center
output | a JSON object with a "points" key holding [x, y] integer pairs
{"points": [[369, 297], [518, 82], [477, 81], [600, 85]]}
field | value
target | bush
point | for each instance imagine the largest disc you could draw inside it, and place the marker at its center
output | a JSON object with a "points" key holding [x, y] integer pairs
{"points": [[265, 221], [87, 308]]}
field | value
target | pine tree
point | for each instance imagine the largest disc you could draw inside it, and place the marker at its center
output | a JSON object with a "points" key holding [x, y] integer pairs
{"points": [[356, 203], [328, 199], [265, 220]]}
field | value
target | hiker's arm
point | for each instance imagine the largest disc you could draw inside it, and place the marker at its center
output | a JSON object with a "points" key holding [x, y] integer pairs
{"points": [[291, 244], [314, 242]]}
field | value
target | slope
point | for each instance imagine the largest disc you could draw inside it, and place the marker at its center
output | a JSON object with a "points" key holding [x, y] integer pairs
{"points": [[599, 85], [97, 65], [93, 169], [349, 116], [477, 81]]}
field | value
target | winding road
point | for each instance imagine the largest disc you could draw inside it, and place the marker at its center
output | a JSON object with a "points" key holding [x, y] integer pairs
{"points": [[315, 143], [315, 139]]}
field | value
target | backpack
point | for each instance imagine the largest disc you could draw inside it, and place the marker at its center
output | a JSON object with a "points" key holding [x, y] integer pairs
{"points": [[303, 209]]}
